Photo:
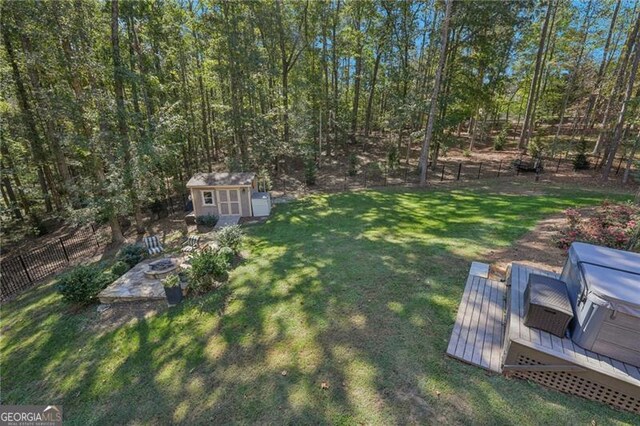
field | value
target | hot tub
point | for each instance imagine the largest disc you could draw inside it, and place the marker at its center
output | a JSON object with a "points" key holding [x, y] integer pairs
{"points": [[604, 289]]}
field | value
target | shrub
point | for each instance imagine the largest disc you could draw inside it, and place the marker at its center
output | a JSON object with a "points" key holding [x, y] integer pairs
{"points": [[393, 157], [310, 172], [536, 147], [209, 220], [231, 237], [132, 254], [208, 268], [500, 141], [580, 160], [119, 268], [264, 180], [353, 165], [226, 253], [466, 153], [172, 280], [612, 225], [82, 284]]}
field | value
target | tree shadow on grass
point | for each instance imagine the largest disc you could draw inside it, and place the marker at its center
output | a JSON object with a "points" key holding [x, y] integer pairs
{"points": [[341, 315]]}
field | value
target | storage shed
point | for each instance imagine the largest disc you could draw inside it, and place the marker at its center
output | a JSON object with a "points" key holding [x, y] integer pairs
{"points": [[222, 194]]}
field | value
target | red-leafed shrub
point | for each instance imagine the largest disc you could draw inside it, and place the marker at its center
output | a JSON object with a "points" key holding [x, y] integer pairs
{"points": [[615, 225]]}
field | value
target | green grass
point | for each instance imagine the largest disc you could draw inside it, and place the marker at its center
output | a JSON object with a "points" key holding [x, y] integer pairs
{"points": [[358, 290]]}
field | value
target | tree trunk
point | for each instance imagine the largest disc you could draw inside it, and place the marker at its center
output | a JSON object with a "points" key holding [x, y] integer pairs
{"points": [[615, 142], [528, 120], [569, 89], [627, 169], [593, 98], [357, 78], [622, 68], [372, 90], [28, 118], [434, 97], [123, 132]]}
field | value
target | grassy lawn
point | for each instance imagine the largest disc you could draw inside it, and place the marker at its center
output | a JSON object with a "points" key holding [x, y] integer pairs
{"points": [[355, 290]]}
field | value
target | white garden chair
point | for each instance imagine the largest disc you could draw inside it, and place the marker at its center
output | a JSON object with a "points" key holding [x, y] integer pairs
{"points": [[153, 245]]}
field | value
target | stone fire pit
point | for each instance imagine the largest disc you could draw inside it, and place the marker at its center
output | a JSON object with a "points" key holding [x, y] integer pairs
{"points": [[140, 283], [159, 269]]}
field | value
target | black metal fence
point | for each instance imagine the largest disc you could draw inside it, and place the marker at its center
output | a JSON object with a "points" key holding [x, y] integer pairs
{"points": [[379, 174], [21, 271]]}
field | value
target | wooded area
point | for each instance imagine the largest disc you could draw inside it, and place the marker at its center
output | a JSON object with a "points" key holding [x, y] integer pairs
{"points": [[108, 106]]}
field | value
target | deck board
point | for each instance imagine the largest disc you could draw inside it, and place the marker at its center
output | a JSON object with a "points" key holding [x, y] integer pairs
{"points": [[477, 333], [562, 348]]}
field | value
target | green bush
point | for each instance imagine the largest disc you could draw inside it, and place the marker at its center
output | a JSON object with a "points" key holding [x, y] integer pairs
{"points": [[209, 220], [226, 253], [536, 147], [132, 254], [393, 157], [310, 172], [580, 160], [353, 165], [231, 237], [119, 268], [500, 141], [82, 284], [208, 269]]}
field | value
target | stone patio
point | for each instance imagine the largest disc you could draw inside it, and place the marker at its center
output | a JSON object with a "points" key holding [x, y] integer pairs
{"points": [[134, 286]]}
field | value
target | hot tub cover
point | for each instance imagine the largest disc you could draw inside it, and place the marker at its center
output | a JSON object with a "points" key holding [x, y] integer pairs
{"points": [[612, 277]]}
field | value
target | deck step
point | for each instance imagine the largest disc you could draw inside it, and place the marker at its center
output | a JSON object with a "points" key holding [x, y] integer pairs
{"points": [[479, 328], [479, 269]]}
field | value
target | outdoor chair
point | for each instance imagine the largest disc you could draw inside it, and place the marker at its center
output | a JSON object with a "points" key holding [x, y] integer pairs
{"points": [[153, 245], [191, 244]]}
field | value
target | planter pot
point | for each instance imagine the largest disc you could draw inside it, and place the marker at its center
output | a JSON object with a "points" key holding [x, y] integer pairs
{"points": [[174, 295]]}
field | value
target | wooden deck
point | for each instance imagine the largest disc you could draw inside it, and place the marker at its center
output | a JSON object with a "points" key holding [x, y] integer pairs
{"points": [[558, 362], [479, 327]]}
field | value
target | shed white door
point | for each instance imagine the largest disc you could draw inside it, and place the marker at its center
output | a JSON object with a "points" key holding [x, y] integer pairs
{"points": [[229, 202]]}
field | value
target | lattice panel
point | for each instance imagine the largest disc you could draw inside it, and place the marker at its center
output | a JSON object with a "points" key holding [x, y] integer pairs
{"points": [[570, 383]]}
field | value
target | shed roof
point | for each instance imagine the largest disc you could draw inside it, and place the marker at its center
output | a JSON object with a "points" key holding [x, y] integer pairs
{"points": [[221, 179]]}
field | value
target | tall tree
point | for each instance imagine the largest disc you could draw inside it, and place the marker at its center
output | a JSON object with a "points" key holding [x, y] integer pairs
{"points": [[528, 117], [434, 97]]}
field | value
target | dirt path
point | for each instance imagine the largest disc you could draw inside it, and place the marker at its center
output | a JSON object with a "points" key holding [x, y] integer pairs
{"points": [[535, 249]]}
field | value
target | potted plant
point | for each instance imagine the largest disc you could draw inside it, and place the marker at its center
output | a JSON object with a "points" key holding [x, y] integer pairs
{"points": [[172, 289]]}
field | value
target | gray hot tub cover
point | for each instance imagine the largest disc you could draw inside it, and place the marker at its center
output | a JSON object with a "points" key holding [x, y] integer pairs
{"points": [[612, 277]]}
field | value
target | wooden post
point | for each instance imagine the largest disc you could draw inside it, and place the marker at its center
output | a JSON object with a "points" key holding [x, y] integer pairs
{"points": [[64, 249], [459, 171], [365, 177], [406, 171], [344, 187], [442, 174], [24, 266], [479, 170], [499, 167], [558, 165]]}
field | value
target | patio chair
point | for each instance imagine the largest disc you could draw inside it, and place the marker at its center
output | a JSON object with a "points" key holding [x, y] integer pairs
{"points": [[191, 244], [153, 245]]}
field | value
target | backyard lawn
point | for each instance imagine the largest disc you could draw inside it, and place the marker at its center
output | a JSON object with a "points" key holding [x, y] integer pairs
{"points": [[341, 313]]}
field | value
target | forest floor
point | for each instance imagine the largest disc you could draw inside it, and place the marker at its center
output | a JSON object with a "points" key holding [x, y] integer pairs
{"points": [[340, 313]]}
